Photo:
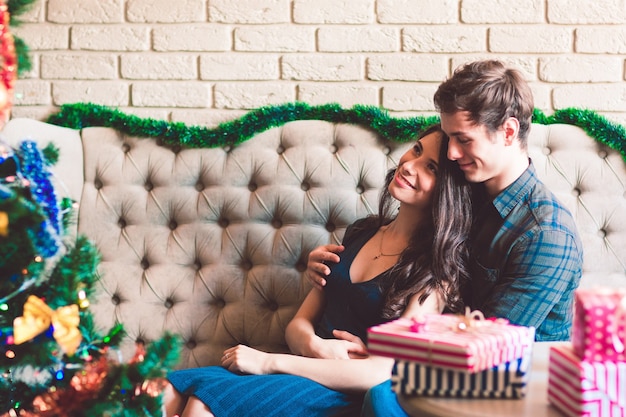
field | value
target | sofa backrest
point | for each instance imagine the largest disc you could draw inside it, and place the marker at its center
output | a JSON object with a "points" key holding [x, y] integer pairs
{"points": [[212, 244]]}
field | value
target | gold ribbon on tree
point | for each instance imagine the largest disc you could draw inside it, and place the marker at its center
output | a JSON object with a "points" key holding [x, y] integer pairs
{"points": [[37, 319]]}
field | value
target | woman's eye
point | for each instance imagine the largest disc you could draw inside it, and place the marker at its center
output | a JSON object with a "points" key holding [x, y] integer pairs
{"points": [[433, 168], [417, 149]]}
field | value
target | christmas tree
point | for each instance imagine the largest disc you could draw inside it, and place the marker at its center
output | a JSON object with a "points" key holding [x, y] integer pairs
{"points": [[53, 359]]}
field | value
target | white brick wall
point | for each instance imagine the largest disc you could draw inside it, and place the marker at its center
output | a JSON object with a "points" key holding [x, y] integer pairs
{"points": [[207, 61]]}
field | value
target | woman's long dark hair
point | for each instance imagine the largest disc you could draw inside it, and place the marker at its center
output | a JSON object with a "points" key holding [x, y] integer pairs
{"points": [[435, 260]]}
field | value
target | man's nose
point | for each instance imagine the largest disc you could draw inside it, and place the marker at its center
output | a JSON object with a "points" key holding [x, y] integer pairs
{"points": [[454, 150]]}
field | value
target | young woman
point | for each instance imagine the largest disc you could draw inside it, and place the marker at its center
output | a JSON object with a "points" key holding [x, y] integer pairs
{"points": [[408, 260]]}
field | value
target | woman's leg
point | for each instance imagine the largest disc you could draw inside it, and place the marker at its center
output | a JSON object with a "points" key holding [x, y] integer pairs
{"points": [[173, 401], [196, 408]]}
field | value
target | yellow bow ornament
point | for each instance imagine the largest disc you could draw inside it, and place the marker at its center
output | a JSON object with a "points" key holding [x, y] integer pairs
{"points": [[37, 319]]}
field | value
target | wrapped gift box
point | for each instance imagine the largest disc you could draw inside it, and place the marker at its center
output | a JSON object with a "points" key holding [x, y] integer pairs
{"points": [[451, 342], [506, 380], [580, 388], [599, 325]]}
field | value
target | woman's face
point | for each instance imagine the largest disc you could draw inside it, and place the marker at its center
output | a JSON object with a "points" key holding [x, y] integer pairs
{"points": [[415, 178]]}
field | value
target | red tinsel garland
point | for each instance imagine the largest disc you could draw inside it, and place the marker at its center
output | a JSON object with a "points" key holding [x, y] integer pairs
{"points": [[8, 72]]}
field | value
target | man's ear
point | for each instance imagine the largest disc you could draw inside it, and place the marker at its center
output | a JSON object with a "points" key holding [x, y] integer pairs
{"points": [[511, 129]]}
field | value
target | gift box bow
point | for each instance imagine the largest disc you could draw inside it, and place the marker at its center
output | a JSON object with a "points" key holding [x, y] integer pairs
{"points": [[470, 322]]}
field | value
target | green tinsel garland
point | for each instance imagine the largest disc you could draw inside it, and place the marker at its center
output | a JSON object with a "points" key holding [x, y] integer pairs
{"points": [[81, 115]]}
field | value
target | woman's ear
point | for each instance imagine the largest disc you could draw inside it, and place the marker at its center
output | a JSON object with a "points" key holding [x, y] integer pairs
{"points": [[511, 129]]}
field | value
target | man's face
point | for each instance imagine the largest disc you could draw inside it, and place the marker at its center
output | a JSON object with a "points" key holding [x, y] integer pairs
{"points": [[480, 154]]}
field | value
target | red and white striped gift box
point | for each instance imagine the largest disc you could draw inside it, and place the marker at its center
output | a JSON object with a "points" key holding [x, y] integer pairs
{"points": [[440, 341], [585, 389]]}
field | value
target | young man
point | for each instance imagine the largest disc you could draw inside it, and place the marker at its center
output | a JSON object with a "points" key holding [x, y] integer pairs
{"points": [[526, 254], [526, 258]]}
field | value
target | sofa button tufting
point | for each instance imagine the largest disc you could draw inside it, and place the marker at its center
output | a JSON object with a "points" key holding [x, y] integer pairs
{"points": [[145, 264], [121, 223], [173, 225], [97, 184], [252, 187], [197, 264], [227, 148], [126, 148], [246, 265], [360, 189], [223, 222], [305, 186], [273, 306], [546, 150], [280, 150], [277, 223], [169, 303], [191, 344], [300, 266], [603, 154], [149, 186], [115, 299], [602, 233], [333, 148], [330, 227], [199, 186], [176, 149], [576, 192], [386, 150]]}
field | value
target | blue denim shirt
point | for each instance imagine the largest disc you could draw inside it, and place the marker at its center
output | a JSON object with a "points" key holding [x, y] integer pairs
{"points": [[526, 258]]}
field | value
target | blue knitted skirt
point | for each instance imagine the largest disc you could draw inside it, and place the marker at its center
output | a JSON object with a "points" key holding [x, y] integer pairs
{"points": [[236, 395]]}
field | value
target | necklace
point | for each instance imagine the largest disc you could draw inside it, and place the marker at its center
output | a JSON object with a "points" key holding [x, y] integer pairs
{"points": [[380, 248]]}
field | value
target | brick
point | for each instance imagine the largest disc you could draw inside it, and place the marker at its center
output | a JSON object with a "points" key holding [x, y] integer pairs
{"points": [[252, 95], [502, 11], [205, 118], [79, 66], [111, 93], [31, 92], [417, 11], [111, 38], [520, 39], [334, 11], [40, 113], [345, 94], [168, 94], [33, 13], [322, 67], [275, 38], [192, 37], [586, 12], [237, 66], [159, 67], [43, 37], [407, 67], [599, 97], [250, 11], [577, 69], [542, 95], [598, 40], [358, 39], [86, 11], [444, 39], [165, 11], [407, 97]]}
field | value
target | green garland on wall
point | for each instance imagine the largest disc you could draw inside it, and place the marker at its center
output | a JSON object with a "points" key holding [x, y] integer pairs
{"points": [[81, 115]]}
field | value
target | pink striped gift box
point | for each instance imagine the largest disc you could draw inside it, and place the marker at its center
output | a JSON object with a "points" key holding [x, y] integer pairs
{"points": [[451, 341], [599, 324], [585, 389]]}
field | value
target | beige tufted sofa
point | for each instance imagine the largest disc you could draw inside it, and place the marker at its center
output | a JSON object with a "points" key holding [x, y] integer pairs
{"points": [[212, 244]]}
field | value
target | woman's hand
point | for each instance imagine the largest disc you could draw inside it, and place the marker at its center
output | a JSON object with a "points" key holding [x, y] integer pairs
{"points": [[345, 346], [316, 269], [245, 359]]}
